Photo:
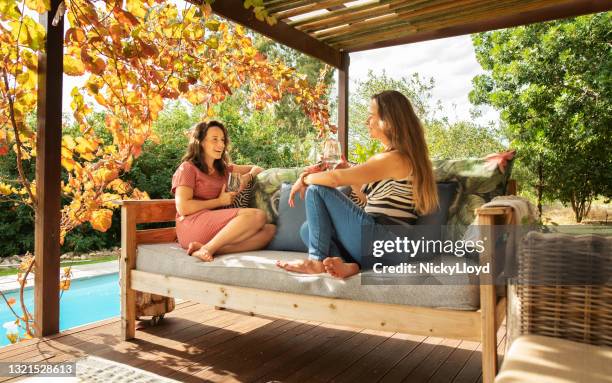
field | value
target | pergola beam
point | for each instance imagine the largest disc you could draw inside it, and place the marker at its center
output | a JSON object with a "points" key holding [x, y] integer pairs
{"points": [[234, 10], [343, 107], [48, 177], [553, 12]]}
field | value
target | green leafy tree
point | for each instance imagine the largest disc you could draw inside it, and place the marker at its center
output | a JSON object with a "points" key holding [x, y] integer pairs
{"points": [[415, 88], [461, 139], [445, 140], [552, 83]]}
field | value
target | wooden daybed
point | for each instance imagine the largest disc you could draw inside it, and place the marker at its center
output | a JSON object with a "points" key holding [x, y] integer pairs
{"points": [[478, 324]]}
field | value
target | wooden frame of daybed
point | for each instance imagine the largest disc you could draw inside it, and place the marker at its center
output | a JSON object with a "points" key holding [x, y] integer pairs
{"points": [[480, 325]]}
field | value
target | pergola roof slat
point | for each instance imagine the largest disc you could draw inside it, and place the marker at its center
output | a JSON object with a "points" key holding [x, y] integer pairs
{"points": [[286, 5], [467, 9], [309, 7], [437, 30], [397, 15], [359, 13]]}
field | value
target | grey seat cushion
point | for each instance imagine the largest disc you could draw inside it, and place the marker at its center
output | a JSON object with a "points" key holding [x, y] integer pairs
{"points": [[257, 269]]}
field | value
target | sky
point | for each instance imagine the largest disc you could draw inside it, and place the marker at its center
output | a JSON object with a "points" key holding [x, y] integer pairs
{"points": [[451, 62]]}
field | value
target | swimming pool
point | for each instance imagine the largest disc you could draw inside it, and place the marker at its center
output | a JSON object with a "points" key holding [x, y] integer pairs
{"points": [[88, 300]]}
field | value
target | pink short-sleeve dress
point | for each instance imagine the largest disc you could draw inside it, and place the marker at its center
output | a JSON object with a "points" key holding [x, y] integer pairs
{"points": [[203, 225]]}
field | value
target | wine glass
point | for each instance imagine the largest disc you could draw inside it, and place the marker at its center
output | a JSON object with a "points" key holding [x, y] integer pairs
{"points": [[233, 182], [332, 153]]}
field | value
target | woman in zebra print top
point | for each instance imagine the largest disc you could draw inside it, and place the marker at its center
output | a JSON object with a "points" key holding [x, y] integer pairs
{"points": [[393, 187]]}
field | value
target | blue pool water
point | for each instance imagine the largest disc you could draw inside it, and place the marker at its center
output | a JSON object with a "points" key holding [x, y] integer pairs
{"points": [[88, 300]]}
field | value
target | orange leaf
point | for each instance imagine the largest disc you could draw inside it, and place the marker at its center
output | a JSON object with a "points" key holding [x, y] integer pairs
{"points": [[125, 17], [101, 219]]}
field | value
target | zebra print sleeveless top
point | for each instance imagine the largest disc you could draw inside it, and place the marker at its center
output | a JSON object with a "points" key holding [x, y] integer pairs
{"points": [[389, 197]]}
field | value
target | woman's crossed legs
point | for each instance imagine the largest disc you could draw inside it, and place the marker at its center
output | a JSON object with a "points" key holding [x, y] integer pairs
{"points": [[246, 232], [332, 219]]}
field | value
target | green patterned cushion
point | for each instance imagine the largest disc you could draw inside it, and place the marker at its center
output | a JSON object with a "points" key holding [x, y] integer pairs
{"points": [[266, 191], [480, 179]]}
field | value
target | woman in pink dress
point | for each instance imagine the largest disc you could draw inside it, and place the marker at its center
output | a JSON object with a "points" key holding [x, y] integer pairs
{"points": [[204, 224]]}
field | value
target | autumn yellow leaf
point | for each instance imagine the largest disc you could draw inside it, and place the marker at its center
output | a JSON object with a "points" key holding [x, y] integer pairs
{"points": [[64, 285], [68, 142], [10, 10], [40, 6], [11, 301], [5, 189], [73, 66], [136, 7], [101, 219], [212, 42]]}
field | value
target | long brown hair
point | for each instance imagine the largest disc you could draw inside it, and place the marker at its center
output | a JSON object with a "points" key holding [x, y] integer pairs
{"points": [[406, 134], [195, 154]]}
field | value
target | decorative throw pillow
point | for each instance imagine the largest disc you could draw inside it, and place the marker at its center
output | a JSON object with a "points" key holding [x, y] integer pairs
{"points": [[267, 188], [243, 199], [479, 180]]}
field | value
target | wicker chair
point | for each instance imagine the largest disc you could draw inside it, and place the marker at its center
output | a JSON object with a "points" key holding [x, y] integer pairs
{"points": [[561, 311]]}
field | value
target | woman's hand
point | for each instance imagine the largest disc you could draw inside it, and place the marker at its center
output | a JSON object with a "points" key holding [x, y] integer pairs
{"points": [[298, 187], [226, 198], [245, 180], [344, 164], [255, 170]]}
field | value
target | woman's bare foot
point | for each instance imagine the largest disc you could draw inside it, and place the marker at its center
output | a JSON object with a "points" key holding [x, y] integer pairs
{"points": [[337, 268], [193, 246], [204, 254], [307, 266]]}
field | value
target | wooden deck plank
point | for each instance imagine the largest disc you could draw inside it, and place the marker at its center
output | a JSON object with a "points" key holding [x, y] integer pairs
{"points": [[336, 361], [235, 351], [428, 367], [295, 352], [375, 365], [239, 365], [472, 370], [412, 360], [454, 363], [189, 359], [197, 343]]}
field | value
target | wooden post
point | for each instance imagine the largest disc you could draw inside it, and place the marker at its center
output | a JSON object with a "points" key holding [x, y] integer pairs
{"points": [[48, 173], [488, 300], [343, 96], [127, 264]]}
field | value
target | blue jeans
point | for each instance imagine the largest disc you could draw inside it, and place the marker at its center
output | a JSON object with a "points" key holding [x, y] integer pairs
{"points": [[336, 227]]}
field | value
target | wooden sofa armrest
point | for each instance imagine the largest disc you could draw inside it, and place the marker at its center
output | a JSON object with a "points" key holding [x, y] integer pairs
{"points": [[148, 211], [134, 212]]}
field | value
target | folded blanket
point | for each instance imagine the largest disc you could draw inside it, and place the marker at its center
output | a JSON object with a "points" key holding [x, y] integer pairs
{"points": [[524, 214]]}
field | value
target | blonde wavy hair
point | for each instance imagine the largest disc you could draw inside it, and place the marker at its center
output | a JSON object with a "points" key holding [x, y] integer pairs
{"points": [[405, 132]]}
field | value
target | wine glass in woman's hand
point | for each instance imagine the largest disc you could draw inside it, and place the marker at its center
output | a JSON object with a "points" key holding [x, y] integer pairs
{"points": [[332, 153], [233, 182]]}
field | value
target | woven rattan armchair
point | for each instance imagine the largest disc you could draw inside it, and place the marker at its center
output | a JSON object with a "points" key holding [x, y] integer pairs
{"points": [[560, 310], [564, 287]]}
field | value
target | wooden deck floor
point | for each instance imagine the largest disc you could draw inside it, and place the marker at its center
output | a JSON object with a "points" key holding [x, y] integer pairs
{"points": [[197, 343]]}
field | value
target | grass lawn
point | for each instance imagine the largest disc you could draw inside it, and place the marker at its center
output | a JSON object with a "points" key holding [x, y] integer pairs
{"points": [[13, 270]]}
